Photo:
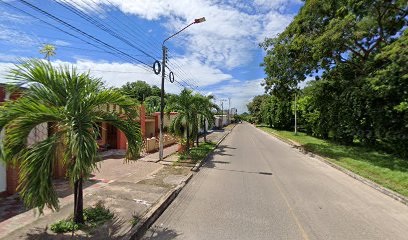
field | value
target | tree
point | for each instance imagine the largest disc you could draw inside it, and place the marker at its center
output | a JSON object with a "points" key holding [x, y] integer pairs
{"points": [[329, 33], [357, 50], [48, 50], [156, 91], [152, 104], [254, 107], [73, 103], [182, 104], [139, 90], [203, 112]]}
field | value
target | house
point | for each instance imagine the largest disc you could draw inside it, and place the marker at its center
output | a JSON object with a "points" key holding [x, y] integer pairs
{"points": [[110, 138]]}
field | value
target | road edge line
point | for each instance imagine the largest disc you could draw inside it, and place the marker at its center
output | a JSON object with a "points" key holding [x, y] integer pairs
{"points": [[390, 193]]}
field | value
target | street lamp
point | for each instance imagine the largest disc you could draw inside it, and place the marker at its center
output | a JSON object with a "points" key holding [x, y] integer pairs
{"points": [[198, 20]]}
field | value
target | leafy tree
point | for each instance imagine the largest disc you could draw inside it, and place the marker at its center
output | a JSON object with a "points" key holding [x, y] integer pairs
{"points": [[328, 33], [156, 91], [73, 103], [138, 90], [389, 95], [254, 107], [357, 48]]}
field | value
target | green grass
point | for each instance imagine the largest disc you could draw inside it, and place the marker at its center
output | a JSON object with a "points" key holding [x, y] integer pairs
{"points": [[135, 220], [382, 168], [198, 153]]}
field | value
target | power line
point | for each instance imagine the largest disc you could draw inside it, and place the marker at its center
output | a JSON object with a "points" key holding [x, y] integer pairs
{"points": [[106, 45], [62, 30], [106, 29], [102, 26], [144, 33], [83, 33]]}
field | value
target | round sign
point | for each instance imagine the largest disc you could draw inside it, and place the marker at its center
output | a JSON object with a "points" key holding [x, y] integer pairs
{"points": [[157, 67], [171, 77]]}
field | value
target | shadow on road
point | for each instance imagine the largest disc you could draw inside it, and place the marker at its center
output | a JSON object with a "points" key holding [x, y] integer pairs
{"points": [[221, 150], [162, 233]]}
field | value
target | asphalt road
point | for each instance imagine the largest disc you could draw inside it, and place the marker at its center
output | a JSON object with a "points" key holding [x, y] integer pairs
{"points": [[257, 187]]}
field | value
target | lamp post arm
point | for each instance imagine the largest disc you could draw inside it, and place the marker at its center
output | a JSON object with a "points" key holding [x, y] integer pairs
{"points": [[178, 32]]}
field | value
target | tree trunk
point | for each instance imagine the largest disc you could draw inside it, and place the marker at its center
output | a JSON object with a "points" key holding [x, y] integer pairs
{"points": [[78, 202]]}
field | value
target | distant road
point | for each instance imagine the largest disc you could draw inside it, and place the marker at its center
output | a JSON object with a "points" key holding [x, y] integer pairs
{"points": [[256, 187]]}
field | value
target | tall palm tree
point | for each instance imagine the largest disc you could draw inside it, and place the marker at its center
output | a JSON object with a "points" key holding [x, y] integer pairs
{"points": [[48, 50], [182, 104], [202, 109], [74, 104]]}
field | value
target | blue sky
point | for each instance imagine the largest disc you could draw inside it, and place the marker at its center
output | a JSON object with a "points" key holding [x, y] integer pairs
{"points": [[220, 56]]}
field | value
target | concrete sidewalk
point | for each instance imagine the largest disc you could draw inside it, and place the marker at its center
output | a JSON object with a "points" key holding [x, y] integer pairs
{"points": [[128, 189], [110, 173]]}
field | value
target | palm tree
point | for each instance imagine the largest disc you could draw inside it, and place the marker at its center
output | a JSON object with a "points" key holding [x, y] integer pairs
{"points": [[202, 109], [207, 113], [74, 104], [182, 104], [48, 50]]}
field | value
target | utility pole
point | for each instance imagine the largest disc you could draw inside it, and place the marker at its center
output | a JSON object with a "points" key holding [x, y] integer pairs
{"points": [[198, 20], [222, 111], [162, 102], [295, 114]]}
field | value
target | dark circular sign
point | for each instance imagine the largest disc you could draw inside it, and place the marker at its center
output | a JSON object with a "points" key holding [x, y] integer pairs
{"points": [[171, 77], [157, 67]]}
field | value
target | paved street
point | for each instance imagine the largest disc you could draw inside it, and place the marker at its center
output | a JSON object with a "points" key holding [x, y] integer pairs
{"points": [[256, 187]]}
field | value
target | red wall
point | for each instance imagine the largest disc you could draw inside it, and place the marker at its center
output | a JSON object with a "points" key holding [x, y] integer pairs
{"points": [[121, 140], [2, 94]]}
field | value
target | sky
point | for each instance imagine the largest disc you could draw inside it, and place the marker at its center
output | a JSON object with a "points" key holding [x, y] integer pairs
{"points": [[119, 40]]}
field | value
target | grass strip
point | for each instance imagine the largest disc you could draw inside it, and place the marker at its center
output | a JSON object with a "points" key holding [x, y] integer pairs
{"points": [[382, 168]]}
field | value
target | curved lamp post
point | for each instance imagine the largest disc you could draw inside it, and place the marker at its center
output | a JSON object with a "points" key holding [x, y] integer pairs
{"points": [[198, 20]]}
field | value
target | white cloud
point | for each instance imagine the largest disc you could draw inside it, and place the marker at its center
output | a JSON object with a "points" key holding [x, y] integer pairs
{"points": [[227, 39], [15, 37], [4, 68], [61, 43], [116, 74], [240, 93]]}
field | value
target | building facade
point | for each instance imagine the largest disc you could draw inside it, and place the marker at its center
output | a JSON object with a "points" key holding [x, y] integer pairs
{"points": [[110, 138]]}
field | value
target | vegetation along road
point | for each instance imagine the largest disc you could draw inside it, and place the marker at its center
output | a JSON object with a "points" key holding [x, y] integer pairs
{"points": [[257, 187]]}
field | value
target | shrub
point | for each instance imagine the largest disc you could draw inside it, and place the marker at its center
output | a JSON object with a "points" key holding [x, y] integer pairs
{"points": [[64, 226], [97, 215], [93, 216]]}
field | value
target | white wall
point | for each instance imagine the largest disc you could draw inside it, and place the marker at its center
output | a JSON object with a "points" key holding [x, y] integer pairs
{"points": [[38, 134], [218, 120]]}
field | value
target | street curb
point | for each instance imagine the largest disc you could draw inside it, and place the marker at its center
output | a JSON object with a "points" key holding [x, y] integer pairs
{"points": [[155, 211], [390, 193], [200, 163], [161, 205]]}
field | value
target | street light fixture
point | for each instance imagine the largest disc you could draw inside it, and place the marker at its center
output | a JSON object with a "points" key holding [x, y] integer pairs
{"points": [[198, 20]]}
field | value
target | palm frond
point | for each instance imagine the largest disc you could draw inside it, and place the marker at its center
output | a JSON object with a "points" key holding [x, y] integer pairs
{"points": [[36, 186]]}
